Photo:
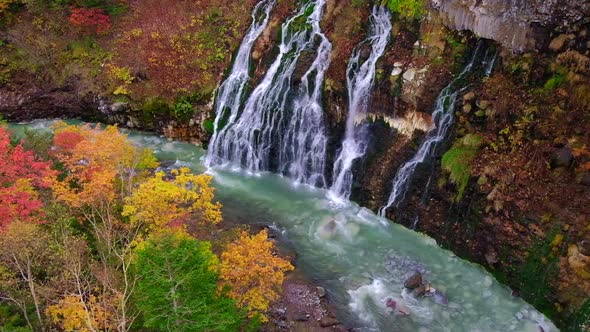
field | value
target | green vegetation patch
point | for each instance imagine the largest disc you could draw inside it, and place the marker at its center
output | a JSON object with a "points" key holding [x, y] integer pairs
{"points": [[580, 321], [188, 267], [182, 109], [412, 9], [555, 81], [457, 161], [535, 275], [209, 126]]}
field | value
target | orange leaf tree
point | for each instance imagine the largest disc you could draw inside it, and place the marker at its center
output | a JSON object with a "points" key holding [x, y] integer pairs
{"points": [[100, 169], [100, 164], [252, 272]]}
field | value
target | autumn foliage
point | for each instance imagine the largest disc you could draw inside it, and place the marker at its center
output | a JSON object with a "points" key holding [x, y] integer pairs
{"points": [[91, 20], [4, 4], [253, 273], [100, 164], [73, 313], [21, 173], [158, 203], [97, 240]]}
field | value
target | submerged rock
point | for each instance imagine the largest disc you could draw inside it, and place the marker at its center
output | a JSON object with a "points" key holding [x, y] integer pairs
{"points": [[440, 298], [301, 317], [420, 291], [398, 307], [413, 281]]}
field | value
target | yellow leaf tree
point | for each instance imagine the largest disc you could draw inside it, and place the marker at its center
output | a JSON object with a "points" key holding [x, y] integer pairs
{"points": [[100, 168], [4, 4], [252, 272], [157, 203], [72, 313]]}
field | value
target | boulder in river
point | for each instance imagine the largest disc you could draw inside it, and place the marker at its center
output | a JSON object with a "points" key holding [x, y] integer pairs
{"points": [[301, 317], [414, 281], [321, 291], [421, 290], [398, 307]]}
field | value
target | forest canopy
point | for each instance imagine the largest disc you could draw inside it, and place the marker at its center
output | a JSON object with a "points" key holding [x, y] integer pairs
{"points": [[93, 238]]}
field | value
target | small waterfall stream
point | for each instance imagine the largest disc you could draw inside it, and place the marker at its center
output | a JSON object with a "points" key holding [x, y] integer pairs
{"points": [[281, 127], [443, 117], [360, 77], [231, 91], [490, 61]]}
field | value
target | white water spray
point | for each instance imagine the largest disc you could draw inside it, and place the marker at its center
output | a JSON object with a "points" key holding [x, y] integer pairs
{"points": [[360, 78], [490, 61], [281, 128], [233, 88]]}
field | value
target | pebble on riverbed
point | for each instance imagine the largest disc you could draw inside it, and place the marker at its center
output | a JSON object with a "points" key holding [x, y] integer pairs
{"points": [[303, 307]]}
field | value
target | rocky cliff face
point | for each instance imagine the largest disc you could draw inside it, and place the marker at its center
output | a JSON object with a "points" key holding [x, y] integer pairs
{"points": [[519, 25]]}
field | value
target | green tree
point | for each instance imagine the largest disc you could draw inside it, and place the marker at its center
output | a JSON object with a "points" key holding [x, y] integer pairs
{"points": [[406, 8], [177, 286]]}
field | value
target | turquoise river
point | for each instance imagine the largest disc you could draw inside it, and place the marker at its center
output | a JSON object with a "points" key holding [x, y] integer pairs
{"points": [[360, 258]]}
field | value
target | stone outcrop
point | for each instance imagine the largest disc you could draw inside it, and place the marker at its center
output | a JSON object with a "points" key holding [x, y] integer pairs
{"points": [[24, 100], [517, 24]]}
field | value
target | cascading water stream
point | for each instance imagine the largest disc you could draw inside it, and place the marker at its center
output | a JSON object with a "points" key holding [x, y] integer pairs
{"points": [[443, 118], [490, 61], [233, 88], [281, 127], [360, 78]]}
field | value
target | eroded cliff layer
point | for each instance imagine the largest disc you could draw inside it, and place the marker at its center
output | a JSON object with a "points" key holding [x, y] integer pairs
{"points": [[519, 25]]}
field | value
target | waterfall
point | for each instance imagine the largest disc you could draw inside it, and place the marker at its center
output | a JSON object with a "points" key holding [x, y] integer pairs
{"points": [[443, 119], [360, 77], [490, 61], [281, 126], [233, 88]]}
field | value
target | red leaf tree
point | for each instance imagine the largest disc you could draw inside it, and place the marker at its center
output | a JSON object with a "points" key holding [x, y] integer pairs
{"points": [[91, 20], [21, 172]]}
